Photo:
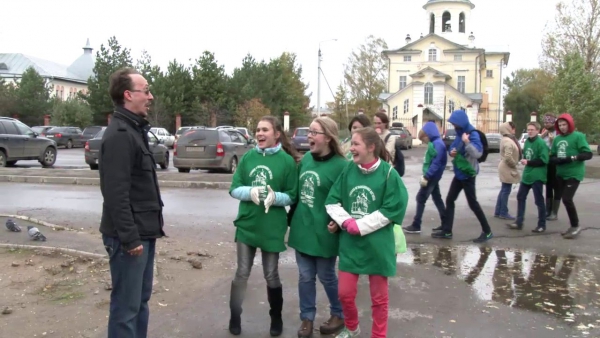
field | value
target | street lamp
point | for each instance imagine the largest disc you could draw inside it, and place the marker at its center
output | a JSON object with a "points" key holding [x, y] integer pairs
{"points": [[319, 78]]}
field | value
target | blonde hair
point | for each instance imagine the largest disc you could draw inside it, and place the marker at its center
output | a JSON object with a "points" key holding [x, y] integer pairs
{"points": [[370, 137], [330, 129]]}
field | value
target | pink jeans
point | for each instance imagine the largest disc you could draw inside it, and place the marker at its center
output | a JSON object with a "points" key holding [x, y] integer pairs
{"points": [[348, 283]]}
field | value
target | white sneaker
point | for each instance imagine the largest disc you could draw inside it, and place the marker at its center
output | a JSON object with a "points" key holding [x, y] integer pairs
{"points": [[346, 333]]}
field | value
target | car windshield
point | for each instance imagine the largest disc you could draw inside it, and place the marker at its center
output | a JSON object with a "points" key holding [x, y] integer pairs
{"points": [[100, 133], [302, 132], [38, 130], [91, 131], [182, 130], [56, 130]]}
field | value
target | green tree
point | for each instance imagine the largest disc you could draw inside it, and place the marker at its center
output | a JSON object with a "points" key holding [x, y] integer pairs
{"points": [[366, 74], [576, 28], [525, 90], [32, 97], [108, 60], [73, 112], [8, 100], [575, 90], [249, 113], [172, 96], [209, 87], [343, 109]]}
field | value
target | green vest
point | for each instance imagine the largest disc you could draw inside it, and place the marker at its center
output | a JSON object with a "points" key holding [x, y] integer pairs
{"points": [[536, 150], [570, 145]]}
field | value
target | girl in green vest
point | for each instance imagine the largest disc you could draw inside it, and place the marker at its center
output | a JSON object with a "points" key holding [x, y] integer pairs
{"points": [[366, 201], [317, 248], [265, 182], [357, 122]]}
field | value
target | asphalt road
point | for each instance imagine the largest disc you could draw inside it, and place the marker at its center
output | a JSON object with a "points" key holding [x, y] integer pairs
{"points": [[519, 284]]}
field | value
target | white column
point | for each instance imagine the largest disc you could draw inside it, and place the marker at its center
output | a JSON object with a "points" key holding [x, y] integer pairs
{"points": [[286, 121]]}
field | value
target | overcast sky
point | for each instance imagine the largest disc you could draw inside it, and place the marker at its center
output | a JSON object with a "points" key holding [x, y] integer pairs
{"points": [[56, 30]]}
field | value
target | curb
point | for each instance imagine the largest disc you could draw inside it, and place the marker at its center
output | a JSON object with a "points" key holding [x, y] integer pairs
{"points": [[38, 222], [55, 249], [96, 181]]}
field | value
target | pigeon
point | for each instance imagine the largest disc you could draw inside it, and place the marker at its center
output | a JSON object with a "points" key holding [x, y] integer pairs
{"points": [[35, 234], [12, 226]]}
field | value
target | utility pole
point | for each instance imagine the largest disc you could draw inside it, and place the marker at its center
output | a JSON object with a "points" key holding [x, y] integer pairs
{"points": [[319, 78]]}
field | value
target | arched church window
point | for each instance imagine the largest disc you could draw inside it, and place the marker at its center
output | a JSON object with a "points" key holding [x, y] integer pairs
{"points": [[446, 18], [428, 93], [461, 23], [432, 23]]}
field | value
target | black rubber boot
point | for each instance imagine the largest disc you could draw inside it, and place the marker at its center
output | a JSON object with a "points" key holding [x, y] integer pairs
{"points": [[275, 296], [548, 207], [554, 215], [235, 305]]}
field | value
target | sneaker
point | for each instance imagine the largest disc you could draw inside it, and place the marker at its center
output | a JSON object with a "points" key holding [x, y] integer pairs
{"points": [[437, 229], [497, 216], [571, 233], [442, 234], [483, 237], [346, 333], [514, 226], [411, 230], [538, 230], [507, 217]]}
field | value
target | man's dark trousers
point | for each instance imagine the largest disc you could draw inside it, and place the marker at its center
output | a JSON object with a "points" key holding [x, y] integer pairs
{"points": [[131, 289], [432, 189], [456, 187], [538, 195]]}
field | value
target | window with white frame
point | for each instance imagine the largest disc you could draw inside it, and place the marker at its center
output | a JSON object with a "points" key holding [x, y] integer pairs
{"points": [[489, 73], [428, 93], [407, 58], [461, 83], [450, 106], [395, 113], [402, 82], [458, 57], [406, 106], [432, 54]]}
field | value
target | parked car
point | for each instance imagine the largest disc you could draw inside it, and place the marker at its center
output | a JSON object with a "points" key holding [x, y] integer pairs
{"points": [[42, 129], [92, 147], [164, 136], [19, 142], [210, 149], [493, 142], [300, 139], [68, 137], [90, 132], [448, 137], [182, 130], [244, 132], [403, 137]]}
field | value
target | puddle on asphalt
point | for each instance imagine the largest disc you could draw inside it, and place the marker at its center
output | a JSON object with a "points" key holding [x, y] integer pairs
{"points": [[566, 286]]}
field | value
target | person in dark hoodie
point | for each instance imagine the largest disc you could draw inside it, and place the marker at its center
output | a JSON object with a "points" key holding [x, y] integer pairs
{"points": [[465, 150], [552, 199], [433, 169], [569, 150]]}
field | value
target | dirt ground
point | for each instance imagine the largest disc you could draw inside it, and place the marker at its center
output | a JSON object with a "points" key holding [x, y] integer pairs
{"points": [[51, 294]]}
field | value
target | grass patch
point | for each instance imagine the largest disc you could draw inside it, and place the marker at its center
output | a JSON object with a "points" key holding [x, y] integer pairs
{"points": [[62, 291]]}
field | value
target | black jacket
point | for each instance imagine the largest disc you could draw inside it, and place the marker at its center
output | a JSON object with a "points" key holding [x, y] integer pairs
{"points": [[132, 209]]}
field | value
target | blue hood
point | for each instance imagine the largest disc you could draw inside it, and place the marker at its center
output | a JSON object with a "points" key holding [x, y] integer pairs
{"points": [[431, 129], [460, 119]]}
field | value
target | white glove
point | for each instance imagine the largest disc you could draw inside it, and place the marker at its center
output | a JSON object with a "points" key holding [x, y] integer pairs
{"points": [[255, 194], [270, 199], [423, 182]]}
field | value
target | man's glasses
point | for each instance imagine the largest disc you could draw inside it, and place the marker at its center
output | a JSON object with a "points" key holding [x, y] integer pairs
{"points": [[145, 91], [315, 133]]}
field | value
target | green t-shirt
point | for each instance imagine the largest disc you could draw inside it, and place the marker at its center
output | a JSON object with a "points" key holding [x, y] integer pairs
{"points": [[535, 150], [570, 145], [430, 154], [362, 194], [308, 229], [254, 227]]}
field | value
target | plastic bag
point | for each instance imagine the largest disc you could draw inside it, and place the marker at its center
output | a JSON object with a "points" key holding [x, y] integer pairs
{"points": [[400, 239]]}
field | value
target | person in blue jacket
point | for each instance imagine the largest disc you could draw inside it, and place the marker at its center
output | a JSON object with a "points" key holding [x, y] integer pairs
{"points": [[433, 169], [465, 150]]}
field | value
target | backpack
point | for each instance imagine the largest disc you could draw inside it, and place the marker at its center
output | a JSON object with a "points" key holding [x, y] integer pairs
{"points": [[398, 160], [484, 143]]}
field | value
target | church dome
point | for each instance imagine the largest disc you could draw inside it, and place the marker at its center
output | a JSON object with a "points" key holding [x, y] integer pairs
{"points": [[83, 67]]}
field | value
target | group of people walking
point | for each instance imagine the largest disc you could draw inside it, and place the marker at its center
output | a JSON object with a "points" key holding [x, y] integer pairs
{"points": [[345, 200]]}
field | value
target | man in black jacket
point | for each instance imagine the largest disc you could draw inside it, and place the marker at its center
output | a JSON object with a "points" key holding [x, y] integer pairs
{"points": [[132, 210]]}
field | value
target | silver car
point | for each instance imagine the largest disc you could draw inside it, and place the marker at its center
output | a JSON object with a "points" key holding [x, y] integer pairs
{"points": [[494, 140], [210, 149]]}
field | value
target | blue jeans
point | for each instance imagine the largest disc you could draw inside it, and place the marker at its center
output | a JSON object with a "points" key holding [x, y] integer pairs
{"points": [[433, 189], [502, 202], [131, 289], [538, 195], [309, 267]]}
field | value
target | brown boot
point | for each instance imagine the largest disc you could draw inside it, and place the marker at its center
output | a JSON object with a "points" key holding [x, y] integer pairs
{"points": [[306, 329], [332, 325]]}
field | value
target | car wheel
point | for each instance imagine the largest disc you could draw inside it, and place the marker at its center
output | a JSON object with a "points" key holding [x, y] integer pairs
{"points": [[3, 161], [184, 170], [233, 165], [49, 157], [93, 166], [69, 144], [165, 163]]}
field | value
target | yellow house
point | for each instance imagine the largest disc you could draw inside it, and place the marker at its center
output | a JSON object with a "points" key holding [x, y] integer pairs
{"points": [[444, 71]]}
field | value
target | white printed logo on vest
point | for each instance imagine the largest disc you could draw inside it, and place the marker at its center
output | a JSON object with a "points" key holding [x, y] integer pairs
{"points": [[308, 179], [260, 176], [562, 149], [361, 197], [529, 154]]}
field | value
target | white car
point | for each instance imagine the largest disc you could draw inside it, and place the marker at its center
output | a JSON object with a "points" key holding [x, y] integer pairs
{"points": [[164, 136]]}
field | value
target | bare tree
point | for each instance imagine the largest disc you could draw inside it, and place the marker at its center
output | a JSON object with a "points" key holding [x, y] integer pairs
{"points": [[576, 28]]}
